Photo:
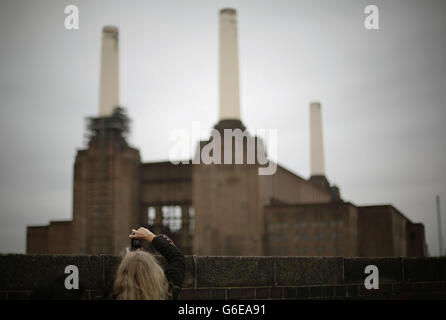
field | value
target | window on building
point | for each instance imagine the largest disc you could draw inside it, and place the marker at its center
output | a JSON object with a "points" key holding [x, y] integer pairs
{"points": [[279, 226], [277, 238], [337, 223], [191, 220], [338, 249], [172, 217], [300, 225], [340, 223], [151, 213]]}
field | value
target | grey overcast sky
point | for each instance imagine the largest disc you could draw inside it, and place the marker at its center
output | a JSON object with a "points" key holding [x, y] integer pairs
{"points": [[383, 93]]}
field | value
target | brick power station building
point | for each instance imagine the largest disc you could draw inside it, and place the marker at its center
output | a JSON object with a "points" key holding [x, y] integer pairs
{"points": [[214, 209]]}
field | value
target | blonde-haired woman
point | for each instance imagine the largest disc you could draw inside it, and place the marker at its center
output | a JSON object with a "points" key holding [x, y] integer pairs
{"points": [[140, 277]]}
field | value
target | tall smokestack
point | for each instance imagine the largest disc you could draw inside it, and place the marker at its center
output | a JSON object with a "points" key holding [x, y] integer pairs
{"points": [[229, 72], [109, 83], [316, 140]]}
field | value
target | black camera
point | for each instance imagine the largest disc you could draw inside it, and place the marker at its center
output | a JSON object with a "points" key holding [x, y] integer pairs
{"points": [[135, 244]]}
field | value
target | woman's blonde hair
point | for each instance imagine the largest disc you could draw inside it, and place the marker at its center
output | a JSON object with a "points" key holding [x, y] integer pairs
{"points": [[140, 277]]}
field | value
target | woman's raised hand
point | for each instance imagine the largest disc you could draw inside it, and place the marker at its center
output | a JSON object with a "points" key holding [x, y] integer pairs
{"points": [[143, 234]]}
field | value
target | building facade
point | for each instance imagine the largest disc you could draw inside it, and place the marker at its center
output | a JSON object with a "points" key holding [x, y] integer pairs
{"points": [[214, 208]]}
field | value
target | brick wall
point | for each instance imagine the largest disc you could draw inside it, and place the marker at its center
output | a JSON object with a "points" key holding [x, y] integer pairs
{"points": [[319, 229], [243, 277], [415, 232], [382, 231]]}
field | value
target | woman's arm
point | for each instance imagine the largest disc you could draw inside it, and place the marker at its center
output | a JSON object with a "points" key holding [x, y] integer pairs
{"points": [[175, 262]]}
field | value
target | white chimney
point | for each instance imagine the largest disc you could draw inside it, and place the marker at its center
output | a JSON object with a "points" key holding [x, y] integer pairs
{"points": [[316, 140], [109, 82], [229, 71]]}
